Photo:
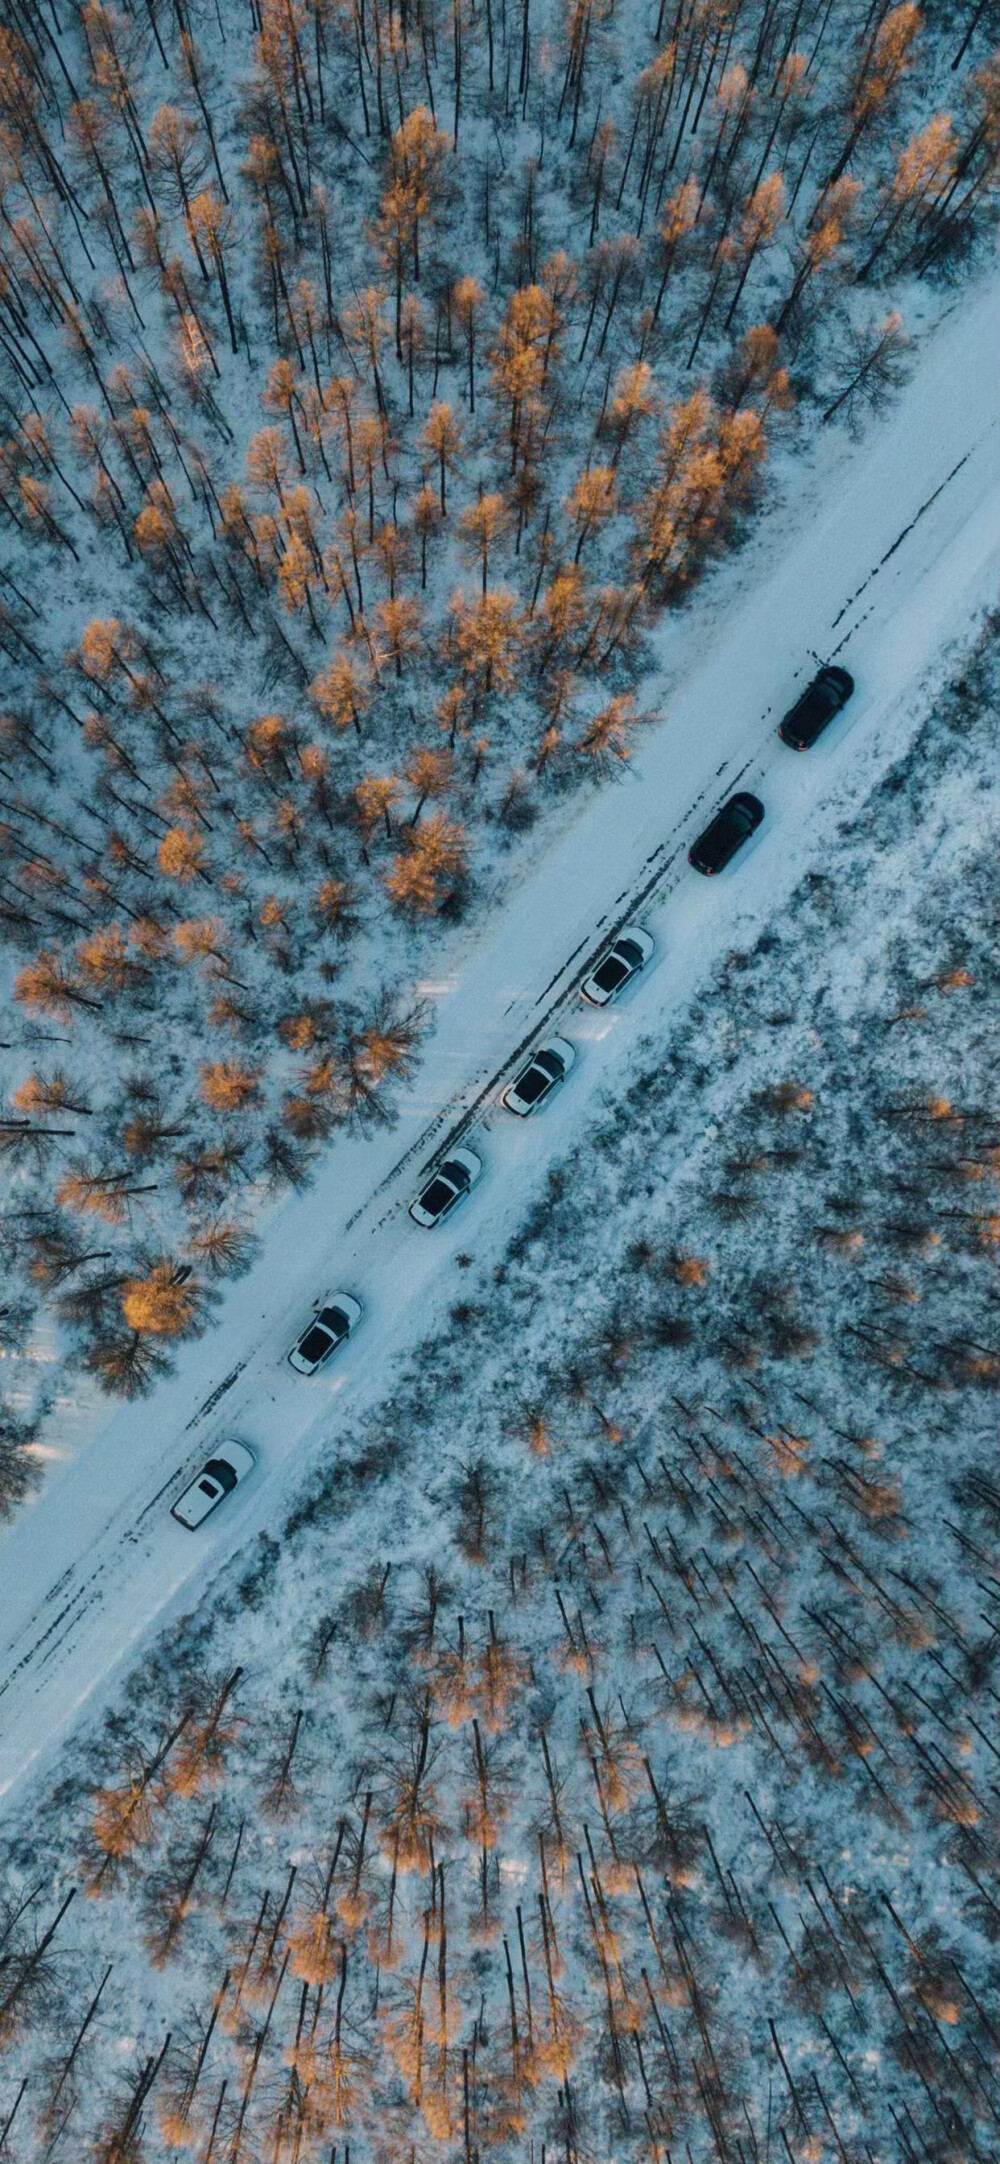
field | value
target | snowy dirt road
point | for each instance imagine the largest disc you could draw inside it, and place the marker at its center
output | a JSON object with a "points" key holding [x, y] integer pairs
{"points": [[882, 557]]}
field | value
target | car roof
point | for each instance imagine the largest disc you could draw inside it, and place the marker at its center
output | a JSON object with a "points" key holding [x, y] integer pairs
{"points": [[437, 1179], [316, 1329], [533, 1081]]}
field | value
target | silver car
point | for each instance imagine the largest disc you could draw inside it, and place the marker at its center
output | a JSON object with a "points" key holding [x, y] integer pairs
{"points": [[231, 1464], [538, 1081], [335, 1319], [447, 1187], [630, 953]]}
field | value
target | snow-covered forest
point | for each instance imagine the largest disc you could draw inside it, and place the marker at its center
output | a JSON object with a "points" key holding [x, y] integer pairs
{"points": [[600, 1761], [371, 379], [587, 1749]]}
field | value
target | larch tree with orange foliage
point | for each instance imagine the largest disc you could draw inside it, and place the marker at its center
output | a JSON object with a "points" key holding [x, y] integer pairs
{"points": [[607, 739], [209, 222], [282, 394], [885, 61], [426, 514], [590, 504], [417, 159], [467, 301], [432, 864], [375, 798], [296, 575], [343, 693], [680, 217], [443, 438], [230, 1086], [167, 1301], [756, 371], [764, 213], [392, 234], [561, 613], [399, 623], [705, 471], [430, 772], [366, 330], [633, 399], [522, 357], [924, 170], [181, 854], [821, 246], [486, 637], [481, 527]]}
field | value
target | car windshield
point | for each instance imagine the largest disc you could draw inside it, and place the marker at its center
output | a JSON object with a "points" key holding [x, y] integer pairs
{"points": [[532, 1085], [315, 1343], [436, 1197], [218, 1470], [335, 1320], [611, 972], [629, 952]]}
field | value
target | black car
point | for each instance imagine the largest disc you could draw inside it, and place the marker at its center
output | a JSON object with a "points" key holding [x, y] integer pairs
{"points": [[813, 713], [730, 828]]}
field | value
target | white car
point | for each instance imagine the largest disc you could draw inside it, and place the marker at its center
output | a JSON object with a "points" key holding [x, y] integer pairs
{"points": [[335, 1319], [447, 1187], [538, 1081], [623, 961], [231, 1464]]}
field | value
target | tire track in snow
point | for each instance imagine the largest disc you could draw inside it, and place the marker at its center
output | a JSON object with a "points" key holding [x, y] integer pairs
{"points": [[901, 537], [215, 1395]]}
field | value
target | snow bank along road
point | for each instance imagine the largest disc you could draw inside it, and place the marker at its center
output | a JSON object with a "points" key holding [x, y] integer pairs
{"points": [[886, 552]]}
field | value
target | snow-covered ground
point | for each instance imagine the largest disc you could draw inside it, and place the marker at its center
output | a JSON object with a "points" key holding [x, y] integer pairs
{"points": [[602, 1756], [882, 556]]}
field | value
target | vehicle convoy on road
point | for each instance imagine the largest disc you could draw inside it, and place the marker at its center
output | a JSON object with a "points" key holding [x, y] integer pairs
{"points": [[447, 1187], [337, 1314], [231, 1464], [545, 1072], [335, 1319], [726, 833], [821, 701], [631, 951]]}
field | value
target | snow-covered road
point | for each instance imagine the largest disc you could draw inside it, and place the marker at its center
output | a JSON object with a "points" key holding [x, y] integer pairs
{"points": [[882, 555]]}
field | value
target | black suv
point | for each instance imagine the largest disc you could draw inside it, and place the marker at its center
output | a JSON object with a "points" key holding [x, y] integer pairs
{"points": [[813, 713], [730, 828]]}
